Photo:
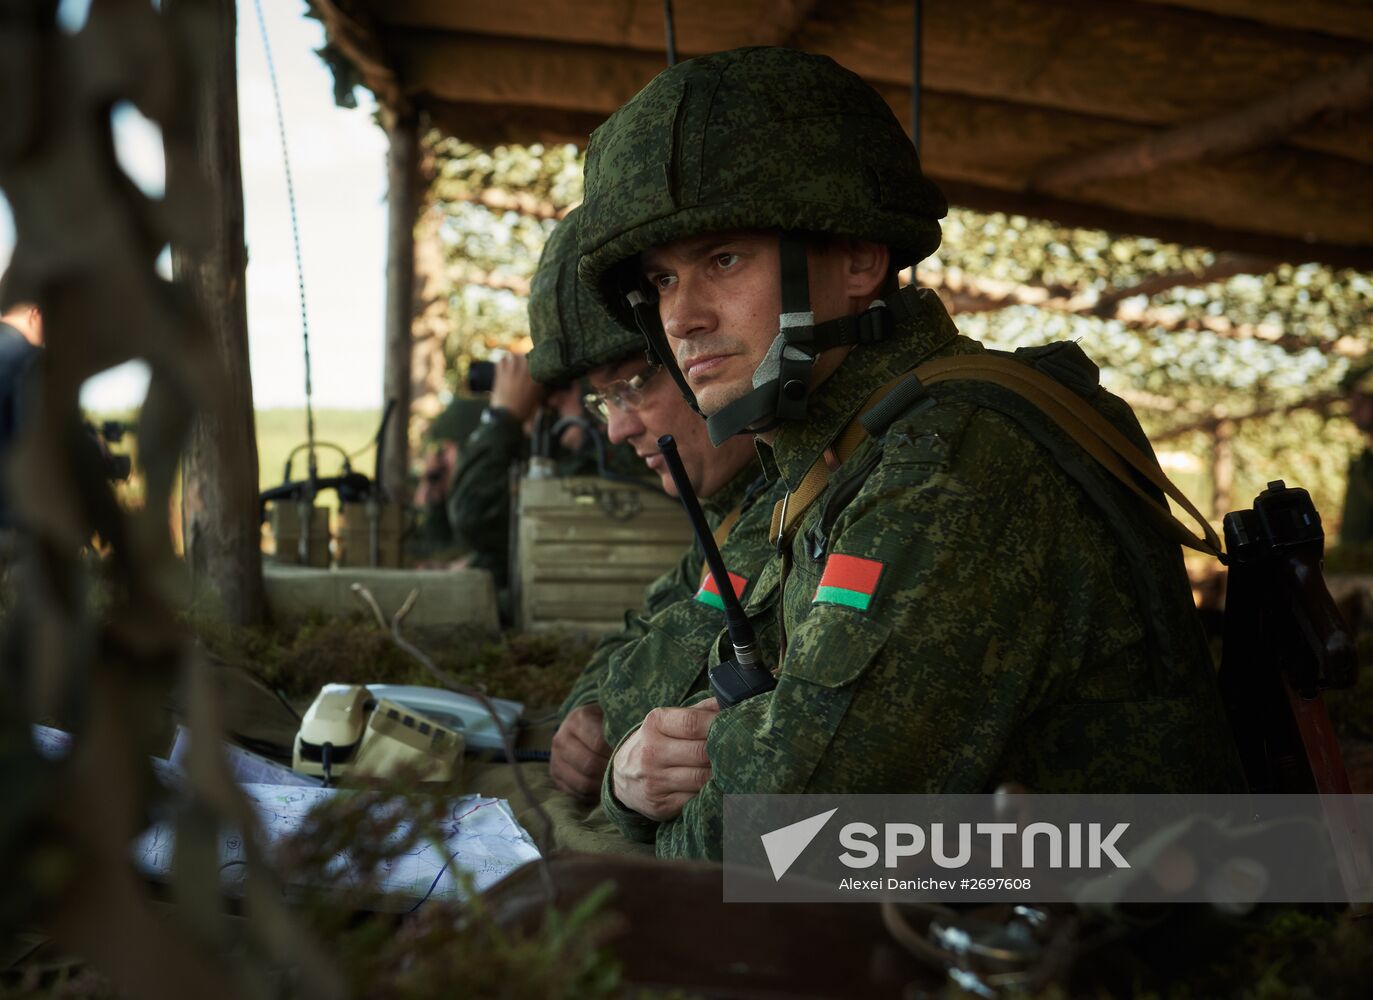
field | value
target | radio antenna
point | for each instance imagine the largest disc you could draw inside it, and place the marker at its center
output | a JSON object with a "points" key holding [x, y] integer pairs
{"points": [[311, 461]]}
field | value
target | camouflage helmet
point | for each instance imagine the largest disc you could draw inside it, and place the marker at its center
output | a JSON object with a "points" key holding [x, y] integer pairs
{"points": [[755, 138], [572, 332]]}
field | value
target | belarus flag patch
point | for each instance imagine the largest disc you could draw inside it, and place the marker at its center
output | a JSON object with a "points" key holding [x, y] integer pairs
{"points": [[710, 594], [848, 580]]}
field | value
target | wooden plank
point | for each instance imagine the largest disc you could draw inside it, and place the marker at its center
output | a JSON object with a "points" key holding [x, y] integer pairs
{"points": [[1344, 18], [1263, 123], [1131, 60], [548, 567], [1144, 223], [497, 124], [609, 557], [603, 598], [1119, 59], [577, 565], [781, 25], [982, 152], [587, 83]]}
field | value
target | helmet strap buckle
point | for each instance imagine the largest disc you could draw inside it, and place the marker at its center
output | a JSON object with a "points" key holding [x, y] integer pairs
{"points": [[875, 324]]}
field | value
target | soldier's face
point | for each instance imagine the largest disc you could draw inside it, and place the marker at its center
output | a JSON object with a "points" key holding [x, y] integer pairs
{"points": [[719, 296], [662, 410]]}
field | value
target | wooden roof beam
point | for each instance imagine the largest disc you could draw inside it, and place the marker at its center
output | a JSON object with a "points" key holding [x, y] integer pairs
{"points": [[994, 145], [790, 17], [1145, 217], [1342, 18], [1348, 88], [1063, 54], [352, 34]]}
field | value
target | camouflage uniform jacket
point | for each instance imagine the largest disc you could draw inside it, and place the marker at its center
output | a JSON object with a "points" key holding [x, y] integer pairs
{"points": [[1356, 521], [479, 502], [661, 655], [966, 617]]}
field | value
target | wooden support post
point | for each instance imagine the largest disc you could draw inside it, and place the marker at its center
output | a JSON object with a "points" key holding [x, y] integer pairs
{"points": [[1222, 470], [219, 473], [403, 184]]}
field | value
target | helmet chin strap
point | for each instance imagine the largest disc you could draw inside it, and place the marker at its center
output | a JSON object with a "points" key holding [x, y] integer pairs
{"points": [[651, 326], [781, 382]]}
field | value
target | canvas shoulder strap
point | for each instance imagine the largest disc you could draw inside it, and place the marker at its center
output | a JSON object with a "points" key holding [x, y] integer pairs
{"points": [[1096, 435], [721, 533]]}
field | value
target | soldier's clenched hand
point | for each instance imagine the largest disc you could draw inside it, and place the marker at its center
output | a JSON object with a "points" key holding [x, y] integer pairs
{"points": [[663, 764], [580, 753]]}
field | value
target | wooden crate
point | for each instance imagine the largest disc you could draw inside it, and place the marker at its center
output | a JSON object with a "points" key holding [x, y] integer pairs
{"points": [[284, 518], [355, 534], [586, 548]]}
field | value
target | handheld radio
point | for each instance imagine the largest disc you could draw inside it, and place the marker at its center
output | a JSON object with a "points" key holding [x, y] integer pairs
{"points": [[745, 675]]}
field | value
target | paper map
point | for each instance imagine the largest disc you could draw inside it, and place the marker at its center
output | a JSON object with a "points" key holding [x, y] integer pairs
{"points": [[479, 837]]}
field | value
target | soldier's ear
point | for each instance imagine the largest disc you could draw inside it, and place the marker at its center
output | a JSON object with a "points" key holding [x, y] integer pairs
{"points": [[865, 271]]}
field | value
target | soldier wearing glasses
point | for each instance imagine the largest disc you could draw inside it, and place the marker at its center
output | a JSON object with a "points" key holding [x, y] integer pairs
{"points": [[660, 656]]}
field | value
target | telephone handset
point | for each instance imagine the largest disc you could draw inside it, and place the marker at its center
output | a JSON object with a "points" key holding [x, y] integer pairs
{"points": [[348, 730]]}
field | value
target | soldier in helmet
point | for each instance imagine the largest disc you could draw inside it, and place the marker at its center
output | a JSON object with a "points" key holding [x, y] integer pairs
{"points": [[660, 656], [1356, 519], [965, 599]]}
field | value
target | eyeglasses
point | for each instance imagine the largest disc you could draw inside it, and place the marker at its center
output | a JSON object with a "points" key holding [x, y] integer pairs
{"points": [[626, 394]]}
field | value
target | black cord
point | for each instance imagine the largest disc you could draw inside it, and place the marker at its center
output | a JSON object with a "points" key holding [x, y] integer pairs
{"points": [[671, 33], [915, 73], [281, 697]]}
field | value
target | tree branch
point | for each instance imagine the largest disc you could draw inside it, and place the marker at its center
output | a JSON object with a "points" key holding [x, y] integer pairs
{"points": [[1226, 265], [468, 274], [1215, 419], [498, 200]]}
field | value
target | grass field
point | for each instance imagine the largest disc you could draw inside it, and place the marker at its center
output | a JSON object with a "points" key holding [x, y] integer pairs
{"points": [[279, 431]]}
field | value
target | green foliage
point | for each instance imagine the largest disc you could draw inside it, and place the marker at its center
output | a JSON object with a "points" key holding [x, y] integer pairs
{"points": [[536, 669], [443, 948], [1283, 953], [279, 431], [485, 247]]}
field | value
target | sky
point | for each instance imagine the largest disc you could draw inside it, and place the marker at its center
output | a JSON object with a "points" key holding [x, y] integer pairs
{"points": [[338, 165]]}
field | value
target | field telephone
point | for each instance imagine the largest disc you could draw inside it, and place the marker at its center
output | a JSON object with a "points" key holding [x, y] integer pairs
{"points": [[381, 729]]}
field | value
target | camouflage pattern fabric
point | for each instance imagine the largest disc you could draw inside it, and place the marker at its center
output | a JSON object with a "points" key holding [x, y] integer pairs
{"points": [[433, 538], [755, 138], [479, 502], [967, 619], [572, 332], [660, 657], [1356, 522]]}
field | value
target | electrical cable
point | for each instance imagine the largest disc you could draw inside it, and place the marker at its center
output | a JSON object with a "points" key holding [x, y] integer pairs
{"points": [[671, 32], [295, 239]]}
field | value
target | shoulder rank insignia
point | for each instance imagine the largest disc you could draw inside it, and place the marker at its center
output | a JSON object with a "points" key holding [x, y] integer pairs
{"points": [[709, 594], [848, 580]]}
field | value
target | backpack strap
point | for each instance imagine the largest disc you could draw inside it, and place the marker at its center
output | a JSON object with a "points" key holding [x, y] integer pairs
{"points": [[1074, 416], [721, 533]]}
